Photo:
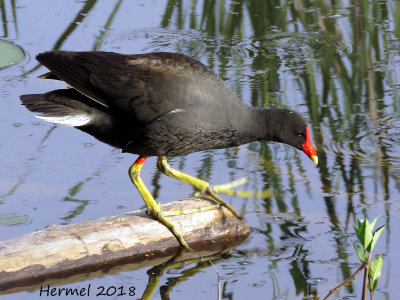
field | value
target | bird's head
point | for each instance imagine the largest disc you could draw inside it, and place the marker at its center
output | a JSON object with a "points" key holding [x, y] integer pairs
{"points": [[294, 131]]}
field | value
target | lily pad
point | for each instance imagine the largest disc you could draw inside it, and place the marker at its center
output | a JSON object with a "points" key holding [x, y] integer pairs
{"points": [[10, 54], [13, 219]]}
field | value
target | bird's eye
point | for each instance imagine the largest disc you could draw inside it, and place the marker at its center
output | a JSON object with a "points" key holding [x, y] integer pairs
{"points": [[299, 133]]}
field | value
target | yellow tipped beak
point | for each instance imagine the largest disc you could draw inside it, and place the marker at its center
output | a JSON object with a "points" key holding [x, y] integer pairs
{"points": [[314, 158], [308, 148]]}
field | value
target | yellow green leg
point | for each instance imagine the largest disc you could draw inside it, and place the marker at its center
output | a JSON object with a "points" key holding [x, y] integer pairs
{"points": [[153, 208], [199, 184]]}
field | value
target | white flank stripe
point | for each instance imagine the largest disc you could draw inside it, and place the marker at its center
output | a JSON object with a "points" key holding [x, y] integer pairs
{"points": [[77, 120], [177, 110]]}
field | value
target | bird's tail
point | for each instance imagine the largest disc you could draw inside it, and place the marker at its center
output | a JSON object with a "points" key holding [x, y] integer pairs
{"points": [[71, 108], [64, 106]]}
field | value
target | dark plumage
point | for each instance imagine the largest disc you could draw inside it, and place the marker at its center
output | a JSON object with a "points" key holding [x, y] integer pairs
{"points": [[157, 104]]}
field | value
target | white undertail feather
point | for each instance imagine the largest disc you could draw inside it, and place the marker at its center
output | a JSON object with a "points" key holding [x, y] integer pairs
{"points": [[177, 110], [75, 120]]}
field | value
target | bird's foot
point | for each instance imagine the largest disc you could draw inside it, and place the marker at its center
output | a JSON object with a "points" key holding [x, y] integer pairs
{"points": [[156, 213]]}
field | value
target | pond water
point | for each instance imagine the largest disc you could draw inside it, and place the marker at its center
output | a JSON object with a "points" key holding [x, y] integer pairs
{"points": [[337, 63]]}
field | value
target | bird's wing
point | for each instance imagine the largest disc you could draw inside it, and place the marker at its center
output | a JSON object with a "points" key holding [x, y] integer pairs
{"points": [[141, 86]]}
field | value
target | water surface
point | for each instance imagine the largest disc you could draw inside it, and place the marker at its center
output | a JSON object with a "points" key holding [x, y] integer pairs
{"points": [[335, 63]]}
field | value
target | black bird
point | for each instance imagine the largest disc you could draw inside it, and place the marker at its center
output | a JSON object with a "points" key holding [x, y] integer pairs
{"points": [[158, 104]]}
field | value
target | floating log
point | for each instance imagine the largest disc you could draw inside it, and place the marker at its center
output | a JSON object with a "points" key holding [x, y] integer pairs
{"points": [[60, 251]]}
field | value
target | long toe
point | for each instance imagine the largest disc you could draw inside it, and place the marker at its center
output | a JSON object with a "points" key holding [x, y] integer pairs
{"points": [[163, 220]]}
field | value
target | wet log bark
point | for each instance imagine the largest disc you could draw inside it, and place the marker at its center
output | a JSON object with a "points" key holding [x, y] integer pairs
{"points": [[134, 238]]}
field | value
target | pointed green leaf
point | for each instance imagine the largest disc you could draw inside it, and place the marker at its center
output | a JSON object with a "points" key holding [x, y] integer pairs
{"points": [[367, 235], [375, 237], [375, 268], [375, 285], [364, 235], [357, 226], [372, 225], [368, 226], [360, 252], [359, 229]]}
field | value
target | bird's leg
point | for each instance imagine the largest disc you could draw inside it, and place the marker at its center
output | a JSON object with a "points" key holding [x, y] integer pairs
{"points": [[199, 184], [153, 208]]}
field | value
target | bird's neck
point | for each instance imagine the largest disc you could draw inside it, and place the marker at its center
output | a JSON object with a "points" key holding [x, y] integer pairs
{"points": [[259, 124]]}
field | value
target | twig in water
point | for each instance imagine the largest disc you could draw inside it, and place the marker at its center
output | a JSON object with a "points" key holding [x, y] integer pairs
{"points": [[332, 291], [219, 280]]}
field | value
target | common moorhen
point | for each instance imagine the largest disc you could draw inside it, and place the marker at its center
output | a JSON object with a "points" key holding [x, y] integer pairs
{"points": [[158, 104]]}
